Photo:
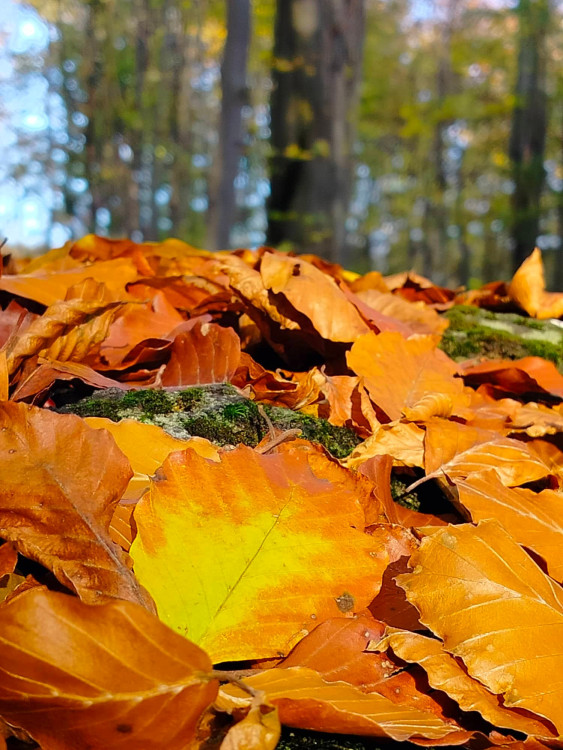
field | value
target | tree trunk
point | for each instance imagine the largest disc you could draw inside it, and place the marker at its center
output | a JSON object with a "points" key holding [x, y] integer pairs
{"points": [[316, 70], [234, 97], [529, 122]]}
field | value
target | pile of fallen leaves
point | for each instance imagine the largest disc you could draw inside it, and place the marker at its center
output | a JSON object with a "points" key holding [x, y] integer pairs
{"points": [[321, 601]]}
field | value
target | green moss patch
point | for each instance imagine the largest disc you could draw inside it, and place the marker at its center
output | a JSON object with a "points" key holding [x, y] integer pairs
{"points": [[474, 332]]}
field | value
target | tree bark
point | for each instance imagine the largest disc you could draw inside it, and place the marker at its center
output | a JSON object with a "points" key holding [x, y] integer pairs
{"points": [[529, 123], [316, 71], [231, 135]]}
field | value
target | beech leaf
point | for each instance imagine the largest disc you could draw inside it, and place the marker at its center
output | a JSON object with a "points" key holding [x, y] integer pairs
{"points": [[78, 676], [61, 481], [306, 701], [273, 550], [494, 608]]}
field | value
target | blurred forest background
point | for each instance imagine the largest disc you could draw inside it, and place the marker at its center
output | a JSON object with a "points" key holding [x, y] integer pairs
{"points": [[384, 134]]}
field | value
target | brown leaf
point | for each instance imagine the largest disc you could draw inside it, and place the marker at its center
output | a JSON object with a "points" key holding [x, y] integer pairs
{"points": [[258, 730], [61, 481], [78, 676], [306, 701], [459, 450], [207, 354], [313, 294], [521, 377], [48, 288], [447, 674]]}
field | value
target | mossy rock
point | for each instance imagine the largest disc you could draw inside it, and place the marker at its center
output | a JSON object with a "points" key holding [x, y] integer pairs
{"points": [[474, 332], [217, 412]]}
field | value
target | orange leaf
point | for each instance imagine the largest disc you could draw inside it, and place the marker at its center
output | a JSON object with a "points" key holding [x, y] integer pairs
{"points": [[402, 441], [399, 372], [419, 317], [74, 675], [258, 730], [459, 450], [273, 549], [146, 447], [522, 377], [49, 288], [527, 289], [61, 481], [312, 293], [306, 701], [495, 609], [534, 520], [447, 674], [208, 353]]}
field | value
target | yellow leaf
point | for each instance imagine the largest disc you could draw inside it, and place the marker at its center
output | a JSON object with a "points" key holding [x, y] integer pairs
{"points": [[247, 555]]}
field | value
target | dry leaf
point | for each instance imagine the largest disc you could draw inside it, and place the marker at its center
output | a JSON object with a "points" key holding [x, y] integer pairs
{"points": [[207, 354], [306, 701], [495, 609], [459, 450], [527, 289], [61, 481], [398, 372], [447, 674], [78, 676], [534, 520]]}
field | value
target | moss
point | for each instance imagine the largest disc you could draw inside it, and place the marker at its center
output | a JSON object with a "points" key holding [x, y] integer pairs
{"points": [[216, 412], [480, 333], [409, 500], [300, 739], [149, 401], [190, 398], [226, 429], [339, 441]]}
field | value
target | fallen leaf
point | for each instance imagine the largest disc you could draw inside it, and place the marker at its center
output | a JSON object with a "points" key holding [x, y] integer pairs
{"points": [[313, 294], [447, 674], [68, 328], [306, 701], [533, 519], [404, 442], [207, 354], [78, 676], [48, 288], [419, 317], [44, 373], [146, 447], [255, 574], [399, 372], [527, 289], [495, 609], [258, 730], [521, 377], [61, 481], [459, 450]]}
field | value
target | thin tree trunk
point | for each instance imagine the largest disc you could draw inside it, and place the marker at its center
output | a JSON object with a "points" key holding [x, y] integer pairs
{"points": [[529, 123], [317, 67], [231, 135]]}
